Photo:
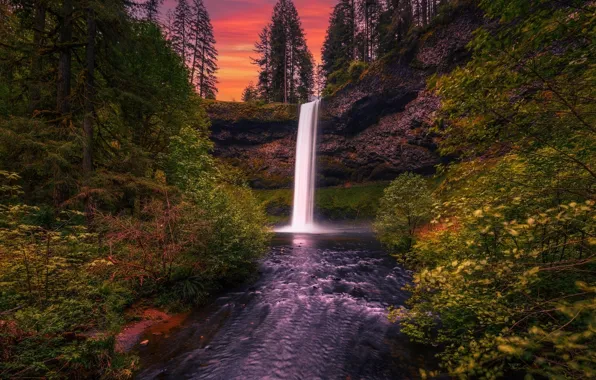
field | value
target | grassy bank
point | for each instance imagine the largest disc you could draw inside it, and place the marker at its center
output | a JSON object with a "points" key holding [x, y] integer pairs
{"points": [[332, 203], [255, 111]]}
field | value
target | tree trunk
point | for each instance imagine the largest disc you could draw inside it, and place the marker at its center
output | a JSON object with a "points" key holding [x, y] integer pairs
{"points": [[268, 72], [89, 92], [197, 28], [285, 72], [366, 27], [353, 27], [202, 80], [194, 60], [64, 65], [183, 51], [89, 120], [37, 62], [292, 67]]}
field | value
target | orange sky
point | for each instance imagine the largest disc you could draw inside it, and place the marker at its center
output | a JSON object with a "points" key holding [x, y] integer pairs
{"points": [[237, 24]]}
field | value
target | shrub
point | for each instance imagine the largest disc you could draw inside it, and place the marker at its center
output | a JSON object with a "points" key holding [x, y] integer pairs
{"points": [[182, 248], [154, 245], [54, 300], [505, 282], [237, 221], [406, 205], [506, 295]]}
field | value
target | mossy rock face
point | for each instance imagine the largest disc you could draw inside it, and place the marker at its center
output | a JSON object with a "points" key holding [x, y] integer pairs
{"points": [[332, 171], [236, 112], [257, 138]]}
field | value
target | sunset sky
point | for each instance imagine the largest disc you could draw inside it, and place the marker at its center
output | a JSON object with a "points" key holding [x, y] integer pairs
{"points": [[237, 24]]}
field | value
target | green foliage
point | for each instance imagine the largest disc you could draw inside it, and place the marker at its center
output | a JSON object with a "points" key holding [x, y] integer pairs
{"points": [[55, 299], [349, 73], [338, 47], [492, 289], [152, 216], [205, 234], [505, 271], [526, 88], [370, 30], [286, 65], [237, 234], [406, 205], [358, 202], [356, 69], [336, 81], [250, 93]]}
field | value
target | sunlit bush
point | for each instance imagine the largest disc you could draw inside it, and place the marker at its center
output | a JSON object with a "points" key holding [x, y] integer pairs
{"points": [[405, 207], [501, 293]]}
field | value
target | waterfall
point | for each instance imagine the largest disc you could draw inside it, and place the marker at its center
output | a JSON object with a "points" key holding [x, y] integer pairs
{"points": [[304, 174]]}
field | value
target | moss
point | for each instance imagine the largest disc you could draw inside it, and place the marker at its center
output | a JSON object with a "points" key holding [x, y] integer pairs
{"points": [[333, 167], [356, 70], [252, 111], [351, 72]]}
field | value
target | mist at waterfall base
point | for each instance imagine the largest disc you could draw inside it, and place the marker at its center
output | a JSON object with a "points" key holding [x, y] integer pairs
{"points": [[305, 173]]}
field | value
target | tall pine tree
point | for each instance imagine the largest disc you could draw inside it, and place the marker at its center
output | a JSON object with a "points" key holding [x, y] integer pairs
{"points": [[263, 49], [338, 47], [191, 34], [204, 55], [369, 16], [151, 8], [368, 29], [286, 73], [181, 29]]}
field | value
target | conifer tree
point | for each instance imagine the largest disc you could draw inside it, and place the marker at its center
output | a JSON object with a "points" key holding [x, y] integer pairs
{"points": [[181, 29], [263, 49], [368, 29], [39, 27], [369, 16], [286, 74], [65, 60], [250, 93], [204, 55], [152, 10], [319, 81], [338, 48]]}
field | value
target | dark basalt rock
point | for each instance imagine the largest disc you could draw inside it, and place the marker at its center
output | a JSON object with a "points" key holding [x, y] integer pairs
{"points": [[250, 132], [373, 129], [365, 112]]}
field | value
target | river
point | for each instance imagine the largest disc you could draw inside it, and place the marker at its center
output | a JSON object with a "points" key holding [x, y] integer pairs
{"points": [[317, 311]]}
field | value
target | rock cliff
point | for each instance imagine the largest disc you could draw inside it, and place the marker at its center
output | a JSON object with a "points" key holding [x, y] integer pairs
{"points": [[372, 129]]}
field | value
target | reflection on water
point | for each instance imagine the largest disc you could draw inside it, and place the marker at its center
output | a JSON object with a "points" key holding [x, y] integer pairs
{"points": [[301, 241], [318, 311]]}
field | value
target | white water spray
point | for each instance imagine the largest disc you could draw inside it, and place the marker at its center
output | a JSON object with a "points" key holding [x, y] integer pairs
{"points": [[304, 175]]}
